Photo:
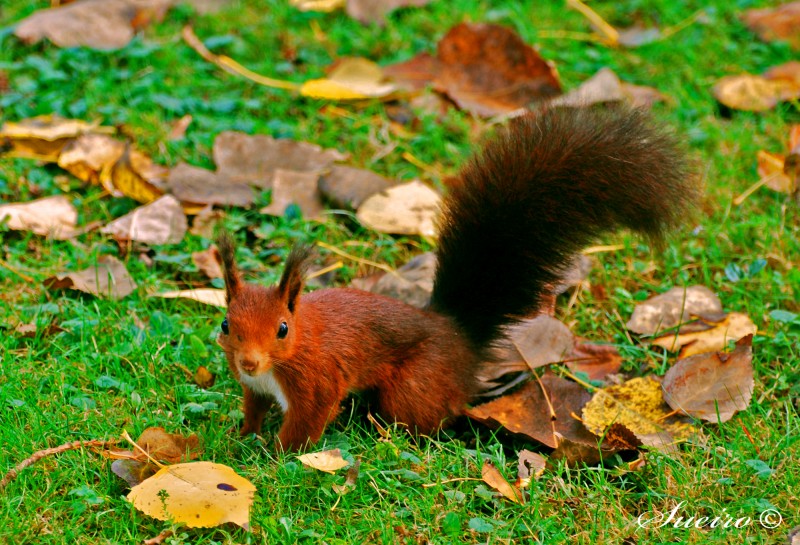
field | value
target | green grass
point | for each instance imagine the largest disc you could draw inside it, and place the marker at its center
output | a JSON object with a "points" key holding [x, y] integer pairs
{"points": [[139, 341]]}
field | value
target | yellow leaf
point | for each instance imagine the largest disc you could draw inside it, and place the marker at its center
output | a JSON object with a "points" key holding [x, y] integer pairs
{"points": [[734, 327], [86, 156], [326, 460], [123, 178], [43, 137], [209, 296], [492, 476], [352, 79], [198, 494], [325, 6]]}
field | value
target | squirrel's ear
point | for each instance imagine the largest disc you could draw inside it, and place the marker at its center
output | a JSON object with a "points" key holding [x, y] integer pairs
{"points": [[291, 285], [225, 257]]}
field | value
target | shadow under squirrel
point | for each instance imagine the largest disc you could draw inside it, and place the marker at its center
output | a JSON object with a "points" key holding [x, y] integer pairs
{"points": [[544, 187]]}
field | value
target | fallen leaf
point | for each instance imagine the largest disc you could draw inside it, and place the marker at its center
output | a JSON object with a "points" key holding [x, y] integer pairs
{"points": [[169, 448], [52, 217], [412, 283], [178, 130], [108, 278], [209, 296], [204, 378], [30, 331], [754, 93], [771, 169], [198, 494], [637, 36], [124, 177], [712, 386], [348, 187], [43, 137], [777, 23], [86, 156], [298, 188], [198, 185], [406, 209], [99, 24], [132, 471], [530, 466], [350, 479], [375, 11], [672, 308], [715, 336], [352, 78], [597, 361], [605, 86], [206, 221], [542, 340], [327, 460], [527, 411], [324, 6], [637, 404], [493, 477], [160, 222], [207, 262]]}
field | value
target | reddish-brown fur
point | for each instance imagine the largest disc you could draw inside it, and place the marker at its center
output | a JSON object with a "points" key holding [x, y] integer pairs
{"points": [[541, 190]]}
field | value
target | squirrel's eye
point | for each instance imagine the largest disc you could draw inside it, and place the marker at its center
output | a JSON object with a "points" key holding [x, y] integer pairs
{"points": [[224, 326], [283, 330]]}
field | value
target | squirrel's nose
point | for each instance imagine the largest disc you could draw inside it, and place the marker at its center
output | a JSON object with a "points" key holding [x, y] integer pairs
{"points": [[248, 365]]}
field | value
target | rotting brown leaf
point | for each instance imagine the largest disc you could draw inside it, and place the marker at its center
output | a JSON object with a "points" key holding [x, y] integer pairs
{"points": [[51, 217], [492, 476], [347, 187], [160, 222], [298, 188], [108, 278], [527, 411], [672, 308], [777, 23], [406, 209], [99, 24], [712, 386]]}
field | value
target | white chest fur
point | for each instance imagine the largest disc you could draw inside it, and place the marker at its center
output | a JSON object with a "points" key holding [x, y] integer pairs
{"points": [[265, 383]]}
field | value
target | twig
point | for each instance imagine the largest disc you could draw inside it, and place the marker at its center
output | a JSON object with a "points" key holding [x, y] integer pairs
{"points": [[230, 65], [608, 32], [351, 257], [25, 277], [325, 270], [35, 457], [753, 188]]}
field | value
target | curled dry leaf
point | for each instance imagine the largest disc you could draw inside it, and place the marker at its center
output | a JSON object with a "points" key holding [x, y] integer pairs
{"points": [[198, 494], [43, 137], [715, 336], [527, 411], [52, 217], [327, 460], [712, 386], [204, 378], [350, 479], [778, 23], [672, 308], [132, 176], [350, 79], [109, 278], [99, 24], [530, 466], [207, 262], [407, 209], [754, 93], [605, 86], [86, 156], [637, 404], [348, 187], [412, 283], [206, 221], [209, 296], [169, 448], [298, 188], [492, 476], [160, 222]]}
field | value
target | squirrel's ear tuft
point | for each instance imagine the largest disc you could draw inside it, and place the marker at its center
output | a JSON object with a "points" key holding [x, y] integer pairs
{"points": [[291, 285], [225, 256]]}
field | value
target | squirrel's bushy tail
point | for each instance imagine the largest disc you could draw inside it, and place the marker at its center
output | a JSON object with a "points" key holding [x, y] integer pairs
{"points": [[542, 189]]}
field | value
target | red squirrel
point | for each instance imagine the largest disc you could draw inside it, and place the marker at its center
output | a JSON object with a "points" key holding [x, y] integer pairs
{"points": [[545, 186]]}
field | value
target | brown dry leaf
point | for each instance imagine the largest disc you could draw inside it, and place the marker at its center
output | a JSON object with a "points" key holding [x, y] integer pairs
{"points": [[348, 187], [99, 24], [672, 308], [715, 337], [86, 156], [208, 296], [109, 278], [527, 411], [207, 262], [530, 466], [198, 185], [754, 93], [206, 221], [160, 222], [638, 404], [241, 158], [352, 78], [493, 477], [298, 188], [52, 217], [542, 340], [198, 494], [412, 283], [327, 460], [414, 74], [406, 209], [375, 11], [30, 331], [130, 176], [43, 137], [778, 23], [605, 86], [714, 385], [178, 130], [169, 448], [771, 168], [597, 361], [204, 378], [637, 36], [350, 479]]}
